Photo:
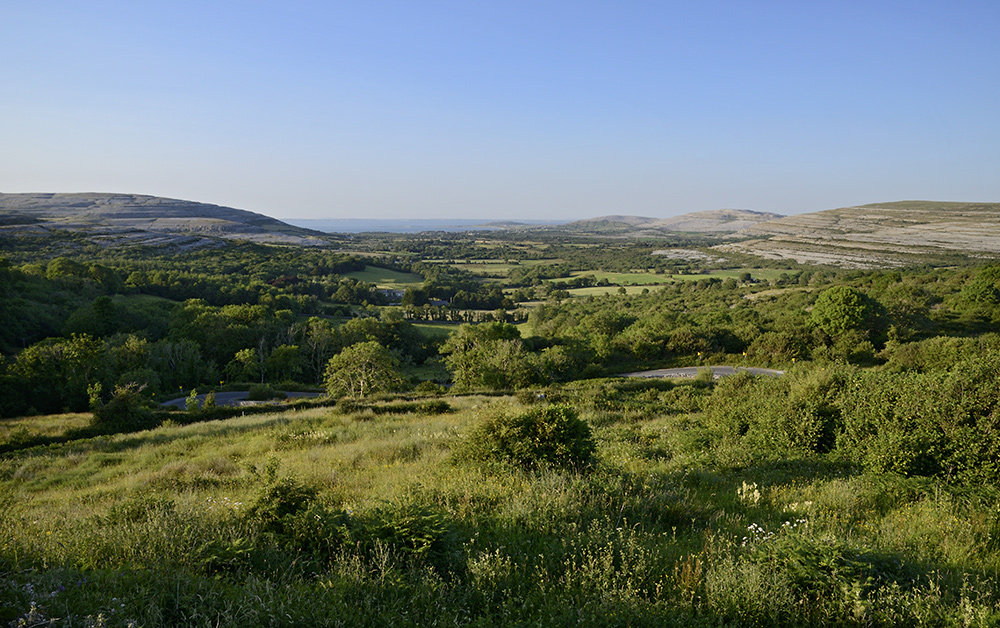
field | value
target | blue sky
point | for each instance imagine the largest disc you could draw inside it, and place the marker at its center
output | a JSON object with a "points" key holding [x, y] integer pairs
{"points": [[503, 110]]}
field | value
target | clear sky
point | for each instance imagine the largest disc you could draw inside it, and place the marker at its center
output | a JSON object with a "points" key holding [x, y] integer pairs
{"points": [[503, 109]]}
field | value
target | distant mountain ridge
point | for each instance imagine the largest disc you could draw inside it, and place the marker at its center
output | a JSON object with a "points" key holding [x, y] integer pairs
{"points": [[716, 222], [877, 235], [143, 219]]}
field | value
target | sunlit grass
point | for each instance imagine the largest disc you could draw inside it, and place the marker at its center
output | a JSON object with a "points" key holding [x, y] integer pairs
{"points": [[611, 290], [52, 425], [658, 533], [386, 278]]}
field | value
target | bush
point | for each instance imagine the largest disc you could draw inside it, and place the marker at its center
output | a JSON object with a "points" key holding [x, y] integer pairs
{"points": [[263, 392], [543, 435], [774, 346], [925, 424], [279, 500], [127, 410], [768, 417], [415, 535]]}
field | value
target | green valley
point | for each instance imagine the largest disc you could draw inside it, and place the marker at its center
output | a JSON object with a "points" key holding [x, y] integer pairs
{"points": [[470, 453]]}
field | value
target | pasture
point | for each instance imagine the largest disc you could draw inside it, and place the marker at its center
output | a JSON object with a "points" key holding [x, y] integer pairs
{"points": [[386, 278]]}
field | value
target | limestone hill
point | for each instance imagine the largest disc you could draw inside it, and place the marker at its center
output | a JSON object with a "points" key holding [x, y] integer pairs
{"points": [[714, 222], [140, 219], [879, 235]]}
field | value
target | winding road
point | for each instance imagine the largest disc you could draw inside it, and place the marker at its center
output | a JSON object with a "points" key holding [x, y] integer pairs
{"points": [[717, 372], [236, 398]]}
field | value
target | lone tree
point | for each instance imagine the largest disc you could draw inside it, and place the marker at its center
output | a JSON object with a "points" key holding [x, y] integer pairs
{"points": [[362, 369]]}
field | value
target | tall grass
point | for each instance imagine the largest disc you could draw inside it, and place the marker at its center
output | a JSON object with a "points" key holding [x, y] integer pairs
{"points": [[325, 518]]}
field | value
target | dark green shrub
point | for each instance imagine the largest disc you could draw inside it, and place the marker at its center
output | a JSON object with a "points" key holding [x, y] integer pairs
{"points": [[126, 411], [842, 308], [768, 417], [263, 392], [412, 529], [430, 406], [939, 353], [774, 346], [884, 426], [317, 530], [648, 396], [819, 569], [225, 556], [416, 534], [543, 435], [435, 406], [941, 423], [428, 388], [278, 500]]}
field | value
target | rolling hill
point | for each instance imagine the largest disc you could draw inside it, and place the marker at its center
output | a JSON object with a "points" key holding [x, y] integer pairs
{"points": [[140, 219], [715, 222], [878, 235]]}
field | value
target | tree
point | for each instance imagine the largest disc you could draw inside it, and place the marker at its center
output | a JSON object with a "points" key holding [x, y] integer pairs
{"points": [[984, 289], [284, 363], [54, 374], [320, 340], [127, 410], [362, 369], [414, 297], [244, 366], [490, 355], [842, 308], [179, 364]]}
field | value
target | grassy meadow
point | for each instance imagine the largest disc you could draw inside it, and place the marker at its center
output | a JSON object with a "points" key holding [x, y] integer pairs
{"points": [[603, 290], [387, 278], [369, 514]]}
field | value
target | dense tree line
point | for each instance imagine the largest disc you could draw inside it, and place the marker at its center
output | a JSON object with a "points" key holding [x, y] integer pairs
{"points": [[256, 314]]}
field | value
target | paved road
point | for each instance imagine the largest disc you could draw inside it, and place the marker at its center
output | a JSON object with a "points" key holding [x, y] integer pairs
{"points": [[231, 398], [717, 372]]}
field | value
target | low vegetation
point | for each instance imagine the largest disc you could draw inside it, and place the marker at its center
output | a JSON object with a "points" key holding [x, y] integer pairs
{"points": [[474, 460], [647, 506]]}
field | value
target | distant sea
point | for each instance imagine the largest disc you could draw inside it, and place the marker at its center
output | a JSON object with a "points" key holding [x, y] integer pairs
{"points": [[361, 225]]}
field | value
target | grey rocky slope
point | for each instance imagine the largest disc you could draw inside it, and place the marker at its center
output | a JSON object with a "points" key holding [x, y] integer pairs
{"points": [[879, 235], [714, 222], [140, 219]]}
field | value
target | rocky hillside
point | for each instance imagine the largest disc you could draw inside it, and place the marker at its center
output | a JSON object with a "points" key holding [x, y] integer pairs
{"points": [[714, 222], [139, 219], [879, 235]]}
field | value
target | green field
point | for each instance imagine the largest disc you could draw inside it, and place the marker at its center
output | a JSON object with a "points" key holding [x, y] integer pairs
{"points": [[618, 279], [602, 290], [649, 279], [435, 331], [498, 267], [385, 278], [52, 426]]}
